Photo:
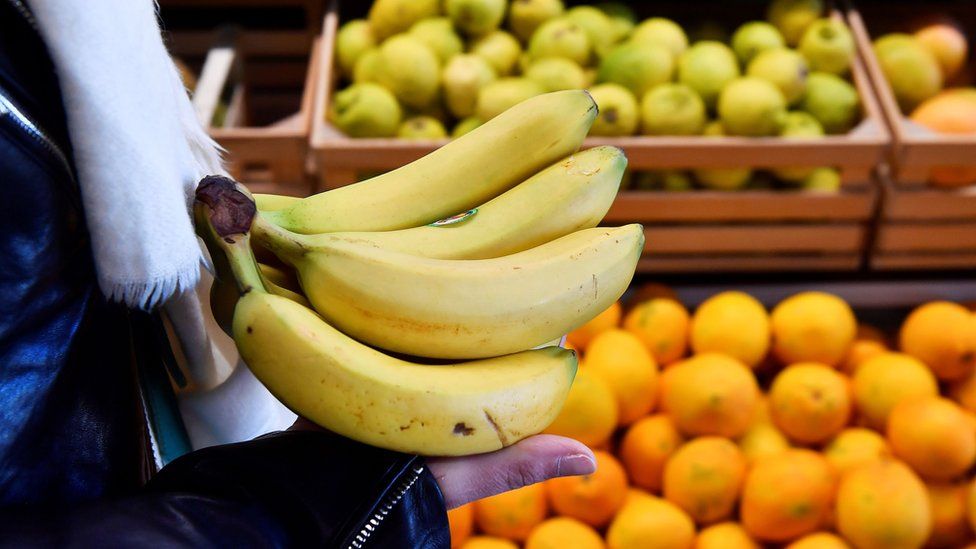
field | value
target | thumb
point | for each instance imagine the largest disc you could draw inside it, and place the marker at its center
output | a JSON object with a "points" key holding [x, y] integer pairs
{"points": [[531, 460]]}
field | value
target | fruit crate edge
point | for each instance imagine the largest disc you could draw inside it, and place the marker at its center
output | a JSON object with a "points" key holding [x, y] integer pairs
{"points": [[911, 156]]}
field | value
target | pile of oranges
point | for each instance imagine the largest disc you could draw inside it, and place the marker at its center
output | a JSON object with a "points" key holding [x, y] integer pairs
{"points": [[735, 427]]}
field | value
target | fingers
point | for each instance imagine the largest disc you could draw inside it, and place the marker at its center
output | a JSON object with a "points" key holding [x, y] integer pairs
{"points": [[532, 460]]}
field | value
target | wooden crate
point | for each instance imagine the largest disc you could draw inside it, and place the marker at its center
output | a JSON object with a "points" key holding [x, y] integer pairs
{"points": [[915, 151], [695, 231], [269, 158], [924, 228]]}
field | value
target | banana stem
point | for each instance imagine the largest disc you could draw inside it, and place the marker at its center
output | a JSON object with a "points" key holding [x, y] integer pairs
{"points": [[225, 212], [282, 242]]}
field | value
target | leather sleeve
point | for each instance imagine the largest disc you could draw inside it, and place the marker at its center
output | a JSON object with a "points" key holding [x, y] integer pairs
{"points": [[288, 489]]}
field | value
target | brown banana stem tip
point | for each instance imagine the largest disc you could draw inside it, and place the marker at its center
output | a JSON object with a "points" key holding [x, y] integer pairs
{"points": [[231, 211]]}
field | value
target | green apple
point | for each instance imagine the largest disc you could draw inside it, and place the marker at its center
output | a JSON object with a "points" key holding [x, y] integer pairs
{"points": [[723, 179], [561, 37], [465, 126], [389, 17], [621, 16], [754, 37], [832, 101], [367, 66], [638, 67], [365, 110], [672, 109], [663, 32], [475, 17], [556, 73], [354, 39], [798, 125], [829, 46], [410, 70], [500, 49], [824, 180], [422, 127], [792, 17], [598, 26], [462, 79], [785, 69], [910, 68], [707, 67], [524, 16], [438, 35], [503, 94], [752, 107], [618, 112]]}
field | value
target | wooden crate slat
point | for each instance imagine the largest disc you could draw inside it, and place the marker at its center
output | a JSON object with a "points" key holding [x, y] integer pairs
{"points": [[681, 264], [771, 238], [904, 237], [924, 261], [705, 206]]}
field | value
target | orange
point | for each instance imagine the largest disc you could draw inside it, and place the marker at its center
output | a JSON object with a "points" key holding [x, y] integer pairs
{"points": [[943, 336], [762, 439], [590, 412], [732, 323], [856, 446], [933, 436], [593, 498], [820, 540], [704, 477], [884, 381], [950, 113], [867, 332], [861, 351], [488, 542], [971, 504], [621, 360], [949, 524], [787, 495], [512, 515], [609, 318], [710, 394], [810, 402], [646, 447], [461, 521], [883, 505], [947, 44], [813, 327], [562, 532], [650, 522], [725, 535], [963, 391], [650, 290], [662, 324]]}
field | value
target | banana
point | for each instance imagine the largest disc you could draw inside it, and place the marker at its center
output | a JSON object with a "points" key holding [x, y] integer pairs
{"points": [[456, 177], [442, 308], [272, 202], [361, 393], [572, 194]]}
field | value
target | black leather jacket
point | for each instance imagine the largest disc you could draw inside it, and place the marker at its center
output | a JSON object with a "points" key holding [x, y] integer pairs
{"points": [[74, 469]]}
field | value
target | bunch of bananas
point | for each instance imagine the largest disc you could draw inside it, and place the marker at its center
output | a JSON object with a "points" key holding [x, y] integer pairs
{"points": [[390, 327]]}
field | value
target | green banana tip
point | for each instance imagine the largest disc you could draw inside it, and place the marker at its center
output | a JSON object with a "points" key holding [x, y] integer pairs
{"points": [[231, 209], [594, 107]]}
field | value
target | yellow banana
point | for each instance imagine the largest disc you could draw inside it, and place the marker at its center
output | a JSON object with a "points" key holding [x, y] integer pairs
{"points": [[572, 194], [272, 202], [459, 176], [442, 308], [361, 393]]}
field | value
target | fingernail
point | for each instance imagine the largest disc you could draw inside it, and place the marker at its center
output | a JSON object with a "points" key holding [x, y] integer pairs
{"points": [[576, 464]]}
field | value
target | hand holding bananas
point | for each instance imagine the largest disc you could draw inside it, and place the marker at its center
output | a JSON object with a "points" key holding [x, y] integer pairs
{"points": [[469, 290]]}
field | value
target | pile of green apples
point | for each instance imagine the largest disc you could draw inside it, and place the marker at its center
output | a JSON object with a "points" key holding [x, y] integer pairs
{"points": [[427, 69]]}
